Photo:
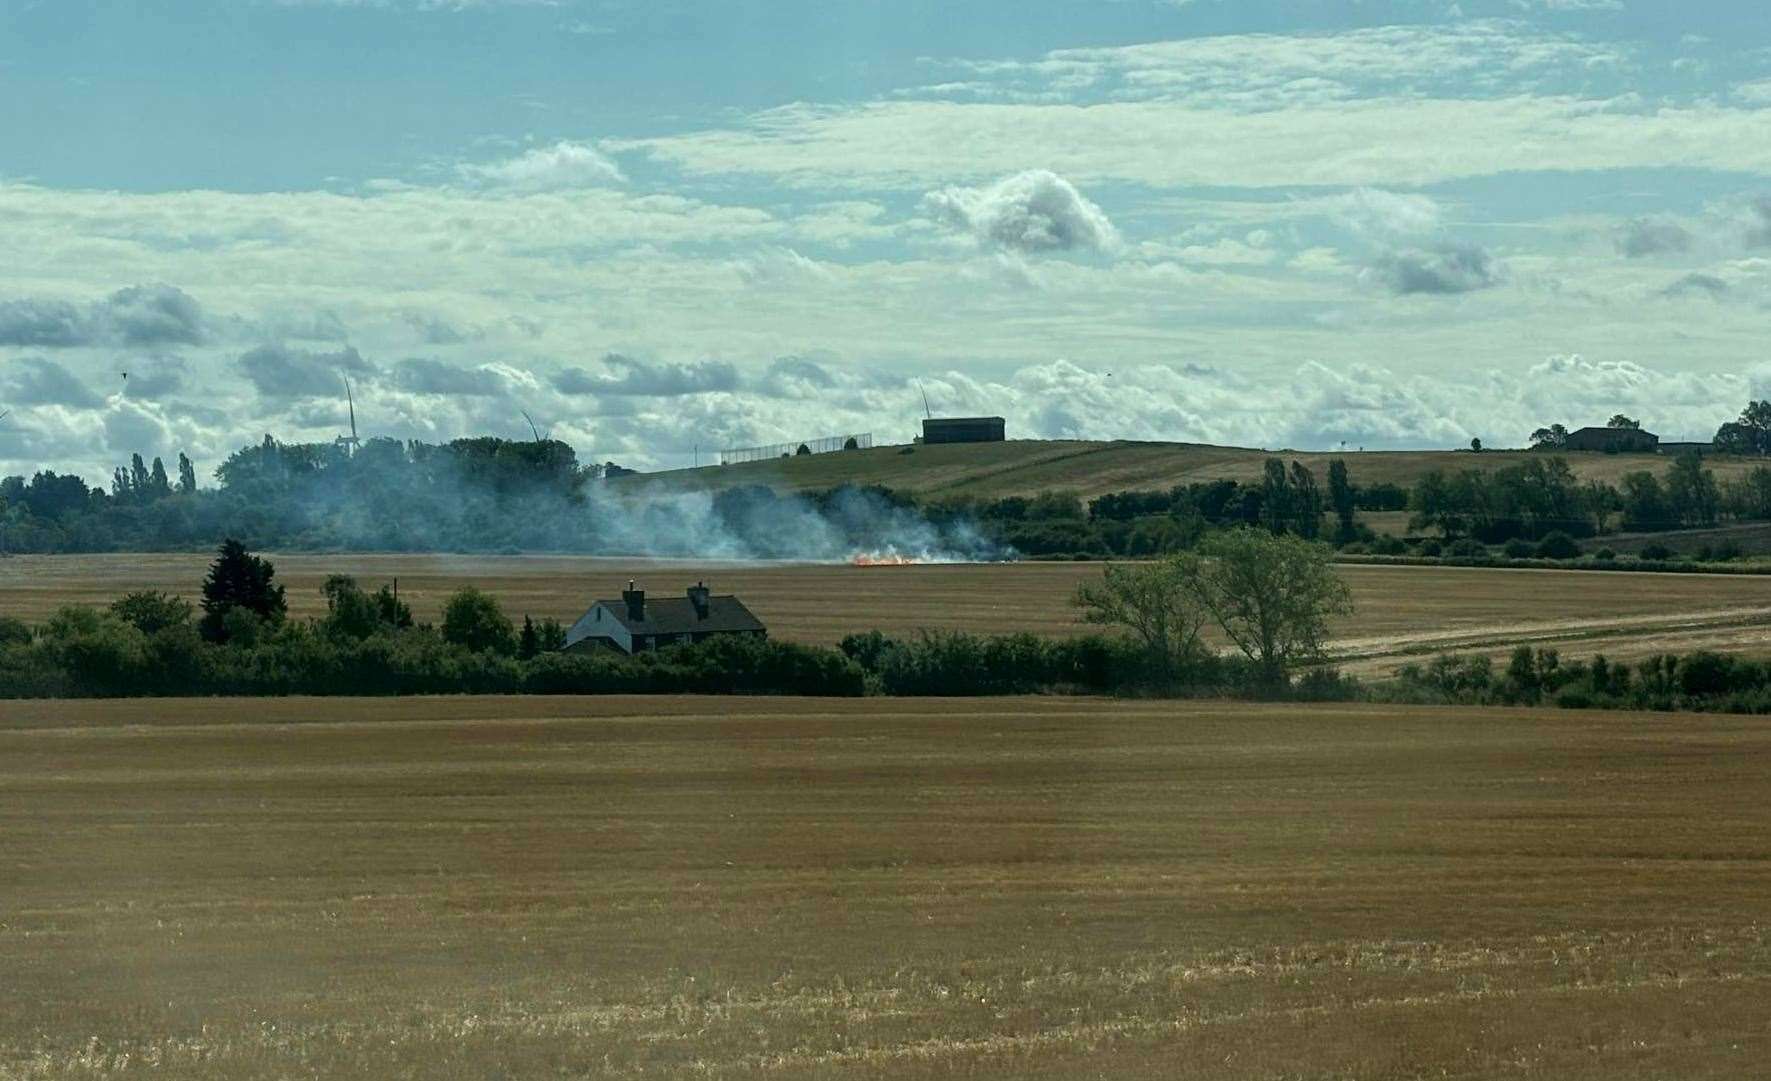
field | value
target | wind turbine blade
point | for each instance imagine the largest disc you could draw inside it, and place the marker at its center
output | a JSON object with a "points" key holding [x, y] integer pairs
{"points": [[534, 431], [351, 401]]}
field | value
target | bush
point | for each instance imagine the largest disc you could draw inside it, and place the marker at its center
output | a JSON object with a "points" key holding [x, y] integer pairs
{"points": [[14, 632], [1518, 549], [1558, 545], [1389, 546], [474, 621], [1657, 553], [1605, 555], [149, 612], [1326, 685], [1431, 548], [1467, 548]]}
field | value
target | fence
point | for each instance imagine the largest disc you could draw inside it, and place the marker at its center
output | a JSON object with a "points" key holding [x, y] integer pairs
{"points": [[825, 445]]}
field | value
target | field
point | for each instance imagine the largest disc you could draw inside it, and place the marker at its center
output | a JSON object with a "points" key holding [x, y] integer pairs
{"points": [[484, 888], [1402, 612], [1088, 469]]}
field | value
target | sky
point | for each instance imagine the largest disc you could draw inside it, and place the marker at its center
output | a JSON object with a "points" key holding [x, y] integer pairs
{"points": [[665, 228]]}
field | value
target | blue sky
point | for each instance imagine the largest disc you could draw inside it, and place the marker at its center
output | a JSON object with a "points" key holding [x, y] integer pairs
{"points": [[1292, 223]]}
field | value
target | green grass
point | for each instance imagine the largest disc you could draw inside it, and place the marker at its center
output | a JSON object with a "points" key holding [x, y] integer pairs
{"points": [[765, 889], [1088, 469]]}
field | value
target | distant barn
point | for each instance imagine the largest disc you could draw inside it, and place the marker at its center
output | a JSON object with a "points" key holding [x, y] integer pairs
{"points": [[963, 430], [1613, 440], [635, 623]]}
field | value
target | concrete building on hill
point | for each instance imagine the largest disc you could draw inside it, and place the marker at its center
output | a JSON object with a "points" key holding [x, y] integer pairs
{"points": [[963, 430], [1613, 440], [634, 623]]}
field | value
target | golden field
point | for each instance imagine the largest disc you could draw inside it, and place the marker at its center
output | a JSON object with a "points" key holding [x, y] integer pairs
{"points": [[1048, 888], [1401, 612], [1092, 468]]}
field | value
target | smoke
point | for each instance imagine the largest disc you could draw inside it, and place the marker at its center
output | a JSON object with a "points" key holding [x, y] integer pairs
{"points": [[489, 495]]}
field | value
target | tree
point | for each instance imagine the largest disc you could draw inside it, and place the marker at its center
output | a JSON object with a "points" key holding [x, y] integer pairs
{"points": [[1306, 502], [1691, 492], [139, 481], [1751, 434], [1644, 502], [1272, 596], [1276, 506], [239, 581], [473, 620], [187, 475], [353, 613], [1552, 438], [158, 486], [150, 612], [1344, 501], [1157, 602], [1618, 420], [1476, 445], [529, 642]]}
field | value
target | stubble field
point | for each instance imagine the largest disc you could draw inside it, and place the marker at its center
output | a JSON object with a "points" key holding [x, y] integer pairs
{"points": [[530, 888], [1402, 613]]}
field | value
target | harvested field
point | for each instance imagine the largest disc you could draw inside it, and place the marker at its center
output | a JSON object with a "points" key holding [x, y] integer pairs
{"points": [[1091, 468], [1402, 612], [474, 888]]}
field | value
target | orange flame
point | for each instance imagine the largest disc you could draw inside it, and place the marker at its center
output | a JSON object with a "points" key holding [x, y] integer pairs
{"points": [[882, 559]]}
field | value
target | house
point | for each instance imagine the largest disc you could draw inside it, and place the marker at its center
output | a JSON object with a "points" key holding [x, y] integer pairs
{"points": [[963, 430], [1613, 440], [635, 623]]}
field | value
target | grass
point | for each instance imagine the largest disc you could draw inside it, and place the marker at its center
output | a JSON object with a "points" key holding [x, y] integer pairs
{"points": [[1089, 469], [1400, 611], [764, 889]]}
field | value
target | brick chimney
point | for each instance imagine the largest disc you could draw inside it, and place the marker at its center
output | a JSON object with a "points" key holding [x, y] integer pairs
{"points": [[702, 599], [636, 603]]}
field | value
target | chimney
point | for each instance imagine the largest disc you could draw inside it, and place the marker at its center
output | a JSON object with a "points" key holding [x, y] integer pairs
{"points": [[636, 603], [702, 599]]}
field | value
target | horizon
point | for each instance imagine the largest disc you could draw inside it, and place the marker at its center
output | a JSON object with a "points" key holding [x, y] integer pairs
{"points": [[669, 227]]}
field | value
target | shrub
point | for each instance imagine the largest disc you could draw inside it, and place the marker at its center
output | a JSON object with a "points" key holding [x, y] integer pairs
{"points": [[1389, 546], [14, 632], [1431, 548], [1558, 545], [1605, 555], [474, 621], [149, 612], [1326, 685], [1518, 549], [1467, 548], [1657, 553]]}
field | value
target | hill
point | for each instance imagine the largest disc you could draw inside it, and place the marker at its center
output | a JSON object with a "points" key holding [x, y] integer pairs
{"points": [[1089, 469]]}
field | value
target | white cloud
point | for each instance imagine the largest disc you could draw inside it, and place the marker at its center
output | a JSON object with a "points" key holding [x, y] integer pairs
{"points": [[1032, 211], [560, 167]]}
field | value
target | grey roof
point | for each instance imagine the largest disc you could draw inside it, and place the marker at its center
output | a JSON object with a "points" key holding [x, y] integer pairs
{"points": [[1595, 429], [675, 615]]}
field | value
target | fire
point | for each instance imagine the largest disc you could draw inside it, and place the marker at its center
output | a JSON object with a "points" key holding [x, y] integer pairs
{"points": [[883, 559]]}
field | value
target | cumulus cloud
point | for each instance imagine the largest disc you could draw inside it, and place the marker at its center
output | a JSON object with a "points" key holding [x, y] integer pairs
{"points": [[1446, 269], [424, 376], [1375, 212], [37, 381], [627, 377], [1032, 211], [1641, 237], [154, 378], [562, 166], [279, 372], [141, 315]]}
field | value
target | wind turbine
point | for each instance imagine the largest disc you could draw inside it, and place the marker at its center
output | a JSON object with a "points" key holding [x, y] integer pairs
{"points": [[926, 411], [349, 443], [536, 432]]}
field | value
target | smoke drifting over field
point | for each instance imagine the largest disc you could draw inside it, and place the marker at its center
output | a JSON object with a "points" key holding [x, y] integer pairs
{"points": [[482, 495]]}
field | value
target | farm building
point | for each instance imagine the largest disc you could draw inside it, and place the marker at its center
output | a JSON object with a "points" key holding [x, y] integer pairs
{"points": [[1613, 440], [1702, 450], [634, 623], [963, 430]]}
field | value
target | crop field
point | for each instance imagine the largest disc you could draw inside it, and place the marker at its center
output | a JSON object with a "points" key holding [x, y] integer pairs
{"points": [[1050, 888], [1088, 469], [1402, 612]]}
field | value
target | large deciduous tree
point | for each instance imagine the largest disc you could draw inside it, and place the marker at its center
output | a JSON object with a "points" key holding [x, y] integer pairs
{"points": [[1272, 595], [1157, 602]]}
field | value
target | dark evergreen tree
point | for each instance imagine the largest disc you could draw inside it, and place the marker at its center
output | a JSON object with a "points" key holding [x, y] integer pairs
{"points": [[187, 475], [239, 581], [528, 643], [138, 476]]}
